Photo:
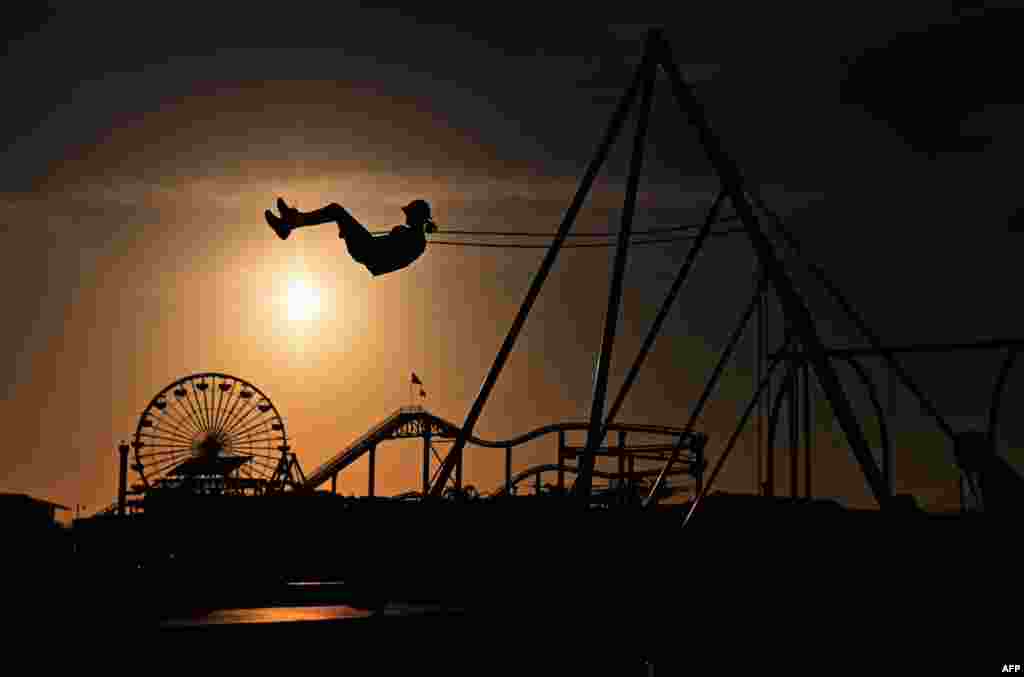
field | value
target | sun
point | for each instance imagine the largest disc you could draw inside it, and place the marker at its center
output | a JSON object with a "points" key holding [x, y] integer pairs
{"points": [[303, 301]]}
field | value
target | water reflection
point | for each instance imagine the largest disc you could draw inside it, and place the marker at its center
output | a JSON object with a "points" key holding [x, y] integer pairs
{"points": [[271, 615]]}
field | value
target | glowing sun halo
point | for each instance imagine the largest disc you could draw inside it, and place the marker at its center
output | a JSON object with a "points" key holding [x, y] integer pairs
{"points": [[303, 301]]}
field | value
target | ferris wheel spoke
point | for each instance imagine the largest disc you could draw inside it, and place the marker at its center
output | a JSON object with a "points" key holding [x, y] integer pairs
{"points": [[258, 435], [193, 398], [243, 420], [171, 435], [209, 397], [219, 395], [173, 423], [174, 419], [187, 407], [255, 426], [254, 442], [198, 397], [143, 458], [188, 420], [256, 455], [158, 466], [166, 414], [262, 418], [239, 407], [165, 432], [207, 407], [225, 400], [150, 439], [252, 453], [164, 466], [260, 425], [152, 462], [163, 445], [258, 448], [244, 417], [241, 410]]}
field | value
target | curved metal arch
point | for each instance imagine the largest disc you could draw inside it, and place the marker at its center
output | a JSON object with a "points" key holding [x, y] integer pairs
{"points": [[997, 394], [869, 384], [773, 418]]}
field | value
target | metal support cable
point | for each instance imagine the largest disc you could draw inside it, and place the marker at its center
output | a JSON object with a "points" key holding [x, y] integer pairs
{"points": [[497, 245], [608, 233]]}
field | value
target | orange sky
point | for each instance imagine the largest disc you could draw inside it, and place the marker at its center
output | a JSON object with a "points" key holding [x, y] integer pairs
{"points": [[136, 251]]}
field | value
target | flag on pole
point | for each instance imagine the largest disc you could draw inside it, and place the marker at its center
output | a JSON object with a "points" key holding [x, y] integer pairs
{"points": [[423, 393], [416, 379]]}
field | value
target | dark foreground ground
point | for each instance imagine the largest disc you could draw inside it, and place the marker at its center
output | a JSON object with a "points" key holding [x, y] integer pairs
{"points": [[544, 588]]}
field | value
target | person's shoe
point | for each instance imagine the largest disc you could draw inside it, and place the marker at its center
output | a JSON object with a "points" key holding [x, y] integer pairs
{"points": [[290, 215], [279, 227]]}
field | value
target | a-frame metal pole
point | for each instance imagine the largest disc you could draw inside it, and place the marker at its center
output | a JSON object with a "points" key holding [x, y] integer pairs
{"points": [[793, 305], [426, 462], [595, 433], [612, 133], [663, 312]]}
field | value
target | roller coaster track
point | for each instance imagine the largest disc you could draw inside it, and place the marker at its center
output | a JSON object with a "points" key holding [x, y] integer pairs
{"points": [[410, 422], [554, 467]]}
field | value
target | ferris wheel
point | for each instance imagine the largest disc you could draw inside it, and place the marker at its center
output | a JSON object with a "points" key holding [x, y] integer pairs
{"points": [[213, 433]]}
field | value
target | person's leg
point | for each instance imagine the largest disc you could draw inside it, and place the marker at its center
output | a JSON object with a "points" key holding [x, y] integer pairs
{"points": [[357, 238], [332, 212]]}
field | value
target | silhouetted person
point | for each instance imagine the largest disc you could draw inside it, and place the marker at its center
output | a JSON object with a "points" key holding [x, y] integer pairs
{"points": [[384, 254]]}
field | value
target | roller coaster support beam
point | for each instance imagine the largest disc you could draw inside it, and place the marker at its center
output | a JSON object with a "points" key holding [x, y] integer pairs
{"points": [[809, 439], [622, 456], [614, 127], [508, 469], [458, 474], [561, 459], [373, 471], [595, 434], [793, 305], [426, 462], [122, 479]]}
